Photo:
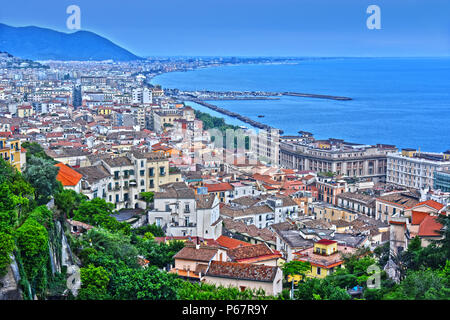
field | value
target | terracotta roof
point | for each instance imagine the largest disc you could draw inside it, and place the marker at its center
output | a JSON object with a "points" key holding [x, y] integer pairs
{"points": [[217, 187], [325, 241], [431, 203], [67, 176], [418, 216], [243, 271], [250, 252], [231, 243], [203, 253], [429, 227], [79, 224]]}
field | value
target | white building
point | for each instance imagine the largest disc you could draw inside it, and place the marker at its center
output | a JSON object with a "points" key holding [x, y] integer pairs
{"points": [[180, 212], [142, 95], [412, 169]]}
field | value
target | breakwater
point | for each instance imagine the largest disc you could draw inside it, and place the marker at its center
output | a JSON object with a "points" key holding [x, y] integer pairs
{"points": [[318, 96], [242, 118]]}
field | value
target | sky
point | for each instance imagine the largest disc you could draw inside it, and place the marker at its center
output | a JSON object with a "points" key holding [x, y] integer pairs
{"points": [[250, 27]]}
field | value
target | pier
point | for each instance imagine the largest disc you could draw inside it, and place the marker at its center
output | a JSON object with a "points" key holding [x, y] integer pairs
{"points": [[318, 96], [247, 120]]}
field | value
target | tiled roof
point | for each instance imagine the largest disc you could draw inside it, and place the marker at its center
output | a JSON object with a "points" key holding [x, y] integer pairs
{"points": [[250, 230], [253, 251], [403, 199], [418, 216], [431, 203], [93, 173], [231, 212], [217, 187], [67, 176], [242, 271], [324, 261], [429, 227], [325, 241], [205, 201], [231, 243], [204, 253]]}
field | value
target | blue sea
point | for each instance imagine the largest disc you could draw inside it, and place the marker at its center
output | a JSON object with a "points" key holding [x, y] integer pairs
{"points": [[400, 101]]}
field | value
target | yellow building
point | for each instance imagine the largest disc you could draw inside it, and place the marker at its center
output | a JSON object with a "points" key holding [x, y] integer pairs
{"points": [[11, 151], [325, 257], [330, 213], [104, 111], [25, 111]]}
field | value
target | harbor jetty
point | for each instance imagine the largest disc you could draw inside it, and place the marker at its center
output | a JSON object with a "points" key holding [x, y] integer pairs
{"points": [[206, 95], [242, 118], [318, 96]]}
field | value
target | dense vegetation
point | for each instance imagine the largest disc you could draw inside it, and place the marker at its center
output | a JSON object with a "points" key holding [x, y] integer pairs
{"points": [[110, 254], [424, 274], [210, 122]]}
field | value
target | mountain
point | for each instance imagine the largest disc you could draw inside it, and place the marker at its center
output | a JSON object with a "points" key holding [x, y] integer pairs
{"points": [[45, 44]]}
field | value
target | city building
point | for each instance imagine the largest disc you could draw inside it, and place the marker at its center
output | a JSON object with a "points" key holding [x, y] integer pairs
{"points": [[414, 169], [333, 155], [325, 257], [180, 212], [245, 276], [441, 180]]}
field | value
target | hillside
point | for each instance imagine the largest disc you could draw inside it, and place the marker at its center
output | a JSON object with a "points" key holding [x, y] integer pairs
{"points": [[45, 44]]}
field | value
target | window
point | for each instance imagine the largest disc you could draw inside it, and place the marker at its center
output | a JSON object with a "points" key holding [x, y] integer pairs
{"points": [[142, 182], [142, 172], [152, 185], [151, 172], [162, 171], [318, 270]]}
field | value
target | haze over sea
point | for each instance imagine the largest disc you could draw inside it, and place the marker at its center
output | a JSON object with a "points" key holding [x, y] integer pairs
{"points": [[400, 101]]}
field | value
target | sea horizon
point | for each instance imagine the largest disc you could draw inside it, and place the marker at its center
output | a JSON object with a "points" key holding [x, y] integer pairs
{"points": [[395, 100]]}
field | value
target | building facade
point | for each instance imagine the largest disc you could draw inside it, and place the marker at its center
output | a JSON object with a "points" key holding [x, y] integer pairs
{"points": [[413, 169]]}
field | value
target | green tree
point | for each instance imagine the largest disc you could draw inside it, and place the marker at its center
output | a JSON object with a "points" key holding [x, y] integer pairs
{"points": [[294, 268], [157, 231], [41, 174], [147, 197], [320, 289], [144, 284], [161, 254], [94, 283], [32, 242], [68, 200], [6, 249], [34, 149], [97, 212], [421, 285]]}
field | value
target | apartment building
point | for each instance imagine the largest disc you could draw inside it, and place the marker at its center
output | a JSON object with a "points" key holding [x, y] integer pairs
{"points": [[333, 155], [441, 180], [330, 213], [329, 188], [357, 202], [265, 146], [395, 205], [142, 95], [11, 151], [120, 180], [180, 212], [414, 169]]}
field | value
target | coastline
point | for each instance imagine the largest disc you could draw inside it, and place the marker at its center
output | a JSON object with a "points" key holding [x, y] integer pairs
{"points": [[382, 113]]}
